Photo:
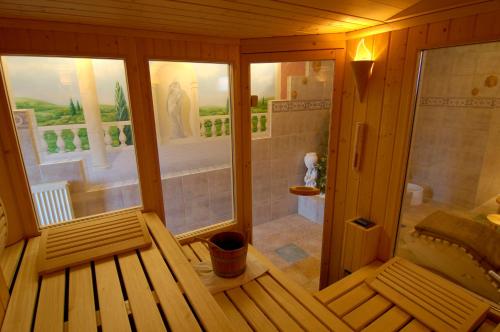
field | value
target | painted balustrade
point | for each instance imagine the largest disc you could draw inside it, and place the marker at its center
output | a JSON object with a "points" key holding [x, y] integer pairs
{"points": [[219, 125], [73, 137]]}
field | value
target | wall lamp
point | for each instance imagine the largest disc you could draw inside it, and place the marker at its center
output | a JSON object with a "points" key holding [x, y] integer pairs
{"points": [[362, 68]]}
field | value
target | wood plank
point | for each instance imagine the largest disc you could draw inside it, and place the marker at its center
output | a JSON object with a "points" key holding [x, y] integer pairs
{"points": [[141, 300], [392, 320], [254, 316], [416, 38], [415, 326], [112, 308], [50, 310], [232, 312], [390, 112], [302, 315], [189, 253], [301, 295], [21, 309], [417, 311], [273, 310], [367, 312], [346, 284], [84, 245], [201, 251], [173, 304], [81, 308], [351, 300], [10, 259], [210, 314]]}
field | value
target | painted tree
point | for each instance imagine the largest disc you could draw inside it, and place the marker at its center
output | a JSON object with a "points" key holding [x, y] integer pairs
{"points": [[121, 104], [122, 113], [72, 107], [78, 107]]}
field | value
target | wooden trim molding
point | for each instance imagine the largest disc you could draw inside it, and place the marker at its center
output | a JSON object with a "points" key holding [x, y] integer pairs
{"points": [[330, 262]]}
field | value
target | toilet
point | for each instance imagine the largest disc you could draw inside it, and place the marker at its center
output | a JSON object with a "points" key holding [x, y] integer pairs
{"points": [[417, 193]]}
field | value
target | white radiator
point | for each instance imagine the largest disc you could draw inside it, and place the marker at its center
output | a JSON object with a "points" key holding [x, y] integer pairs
{"points": [[52, 202]]}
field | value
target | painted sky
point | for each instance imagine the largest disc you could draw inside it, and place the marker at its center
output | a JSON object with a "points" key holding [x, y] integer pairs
{"points": [[54, 79], [263, 79], [213, 83]]}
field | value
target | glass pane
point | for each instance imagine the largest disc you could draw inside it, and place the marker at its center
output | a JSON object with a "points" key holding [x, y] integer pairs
{"points": [[194, 133], [73, 123], [453, 182], [289, 148]]}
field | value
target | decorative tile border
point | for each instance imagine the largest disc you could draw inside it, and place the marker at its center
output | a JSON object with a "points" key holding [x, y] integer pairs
{"points": [[473, 102], [300, 105]]}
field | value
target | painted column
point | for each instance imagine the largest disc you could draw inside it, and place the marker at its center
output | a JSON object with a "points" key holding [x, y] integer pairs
{"points": [[90, 105]]}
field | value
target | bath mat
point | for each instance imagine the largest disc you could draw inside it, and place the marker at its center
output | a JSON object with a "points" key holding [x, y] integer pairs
{"points": [[291, 253], [217, 284]]}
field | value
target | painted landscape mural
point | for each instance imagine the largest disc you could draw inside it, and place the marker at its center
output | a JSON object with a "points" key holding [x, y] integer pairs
{"points": [[53, 94]]}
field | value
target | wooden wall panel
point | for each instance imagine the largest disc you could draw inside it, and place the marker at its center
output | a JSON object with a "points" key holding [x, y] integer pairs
{"points": [[376, 191], [136, 48]]}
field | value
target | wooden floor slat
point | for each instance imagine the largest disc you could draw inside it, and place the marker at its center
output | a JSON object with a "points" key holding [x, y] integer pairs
{"points": [[301, 295], [10, 259], [302, 315], [392, 320], [349, 301], [21, 309], [201, 251], [178, 314], [142, 303], [81, 307], [367, 312], [253, 315], [50, 309], [232, 313], [209, 313], [112, 308], [415, 326], [273, 310], [346, 284], [191, 256]]}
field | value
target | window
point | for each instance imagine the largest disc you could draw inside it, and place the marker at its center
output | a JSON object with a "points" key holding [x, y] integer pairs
{"points": [[193, 123], [74, 128]]}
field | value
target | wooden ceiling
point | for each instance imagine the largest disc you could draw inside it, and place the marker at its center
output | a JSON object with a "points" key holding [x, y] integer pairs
{"points": [[227, 18]]}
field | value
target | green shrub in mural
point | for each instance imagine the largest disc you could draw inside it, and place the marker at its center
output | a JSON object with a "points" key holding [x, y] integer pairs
{"points": [[227, 127], [263, 123], [218, 127], [122, 113], [255, 122], [208, 128]]}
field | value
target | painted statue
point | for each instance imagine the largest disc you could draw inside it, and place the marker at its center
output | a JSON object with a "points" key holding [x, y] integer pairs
{"points": [[311, 159], [174, 109]]}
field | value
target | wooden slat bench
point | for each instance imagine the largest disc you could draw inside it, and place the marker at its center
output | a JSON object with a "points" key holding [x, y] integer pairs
{"points": [[137, 290], [271, 302], [364, 309]]}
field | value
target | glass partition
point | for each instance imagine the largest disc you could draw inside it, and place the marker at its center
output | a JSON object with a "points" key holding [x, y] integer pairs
{"points": [[193, 119], [450, 214], [73, 123]]}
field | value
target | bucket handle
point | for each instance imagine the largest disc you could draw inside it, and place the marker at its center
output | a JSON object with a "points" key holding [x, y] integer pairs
{"points": [[207, 243]]}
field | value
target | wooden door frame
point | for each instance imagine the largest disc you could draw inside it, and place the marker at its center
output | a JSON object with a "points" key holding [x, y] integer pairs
{"points": [[416, 44], [330, 226]]}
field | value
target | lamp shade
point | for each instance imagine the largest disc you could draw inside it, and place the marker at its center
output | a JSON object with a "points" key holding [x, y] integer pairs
{"points": [[362, 71]]}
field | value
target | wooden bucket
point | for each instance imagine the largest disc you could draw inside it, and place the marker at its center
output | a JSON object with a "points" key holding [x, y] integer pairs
{"points": [[228, 251]]}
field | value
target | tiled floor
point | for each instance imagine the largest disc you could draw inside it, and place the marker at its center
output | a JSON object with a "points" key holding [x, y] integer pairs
{"points": [[293, 244]]}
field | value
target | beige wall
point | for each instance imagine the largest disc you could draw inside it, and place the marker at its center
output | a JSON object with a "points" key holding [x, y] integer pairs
{"points": [[453, 150]]}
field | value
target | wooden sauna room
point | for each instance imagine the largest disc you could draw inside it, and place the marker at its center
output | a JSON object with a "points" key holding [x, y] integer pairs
{"points": [[250, 165]]}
